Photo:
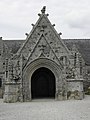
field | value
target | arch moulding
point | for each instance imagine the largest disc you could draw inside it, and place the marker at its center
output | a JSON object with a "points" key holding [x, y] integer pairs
{"points": [[32, 67]]}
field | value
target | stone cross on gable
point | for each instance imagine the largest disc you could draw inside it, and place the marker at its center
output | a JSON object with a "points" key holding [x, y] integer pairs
{"points": [[43, 9]]}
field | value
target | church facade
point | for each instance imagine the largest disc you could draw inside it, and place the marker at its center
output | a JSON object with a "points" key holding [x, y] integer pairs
{"points": [[42, 66]]}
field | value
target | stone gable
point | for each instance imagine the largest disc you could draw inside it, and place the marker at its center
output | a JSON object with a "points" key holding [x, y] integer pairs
{"points": [[43, 26]]}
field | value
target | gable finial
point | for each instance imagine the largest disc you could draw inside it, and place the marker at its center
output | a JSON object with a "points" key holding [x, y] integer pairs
{"points": [[43, 9]]}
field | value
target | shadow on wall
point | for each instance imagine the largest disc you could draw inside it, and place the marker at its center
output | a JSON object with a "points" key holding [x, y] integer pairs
{"points": [[1, 91]]}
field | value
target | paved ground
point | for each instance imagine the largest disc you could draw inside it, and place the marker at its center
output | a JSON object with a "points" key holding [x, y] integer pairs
{"points": [[46, 110]]}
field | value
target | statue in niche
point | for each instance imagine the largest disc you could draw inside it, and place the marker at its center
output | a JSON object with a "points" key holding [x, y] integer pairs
{"points": [[70, 73], [16, 72]]}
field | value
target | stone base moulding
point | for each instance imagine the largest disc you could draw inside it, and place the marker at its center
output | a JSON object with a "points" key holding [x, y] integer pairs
{"points": [[75, 89], [12, 92]]}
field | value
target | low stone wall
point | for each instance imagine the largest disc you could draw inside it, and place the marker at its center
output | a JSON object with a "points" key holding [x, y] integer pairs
{"points": [[75, 89], [12, 92]]}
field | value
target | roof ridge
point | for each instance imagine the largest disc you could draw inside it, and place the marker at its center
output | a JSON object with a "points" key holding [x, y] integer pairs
{"points": [[75, 39]]}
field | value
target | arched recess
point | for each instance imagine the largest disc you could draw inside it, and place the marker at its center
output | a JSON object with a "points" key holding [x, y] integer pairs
{"points": [[43, 84], [32, 67]]}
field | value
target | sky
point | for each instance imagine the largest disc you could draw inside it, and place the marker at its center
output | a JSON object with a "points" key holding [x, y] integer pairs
{"points": [[71, 17]]}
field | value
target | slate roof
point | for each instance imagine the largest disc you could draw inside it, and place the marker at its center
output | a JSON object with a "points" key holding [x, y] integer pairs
{"points": [[83, 45], [13, 45]]}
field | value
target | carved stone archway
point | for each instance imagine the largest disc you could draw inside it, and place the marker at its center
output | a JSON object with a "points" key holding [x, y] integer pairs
{"points": [[32, 67]]}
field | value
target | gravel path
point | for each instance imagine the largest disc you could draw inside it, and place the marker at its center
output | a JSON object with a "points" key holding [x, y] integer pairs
{"points": [[46, 110]]}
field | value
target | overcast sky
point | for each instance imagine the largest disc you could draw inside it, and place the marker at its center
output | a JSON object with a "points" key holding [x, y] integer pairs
{"points": [[71, 17]]}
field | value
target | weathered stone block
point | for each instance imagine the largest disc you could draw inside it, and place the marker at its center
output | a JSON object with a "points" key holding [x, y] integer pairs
{"points": [[75, 89], [12, 92]]}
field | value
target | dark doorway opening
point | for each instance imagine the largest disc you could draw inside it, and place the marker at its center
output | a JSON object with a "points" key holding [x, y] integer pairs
{"points": [[43, 84]]}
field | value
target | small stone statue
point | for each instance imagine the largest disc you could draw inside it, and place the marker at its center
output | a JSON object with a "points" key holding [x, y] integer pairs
{"points": [[43, 9]]}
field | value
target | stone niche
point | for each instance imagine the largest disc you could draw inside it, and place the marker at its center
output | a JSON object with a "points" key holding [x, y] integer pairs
{"points": [[75, 89], [12, 92]]}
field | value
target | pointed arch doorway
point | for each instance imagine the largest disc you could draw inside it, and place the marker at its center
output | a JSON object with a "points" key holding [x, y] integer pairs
{"points": [[43, 84]]}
